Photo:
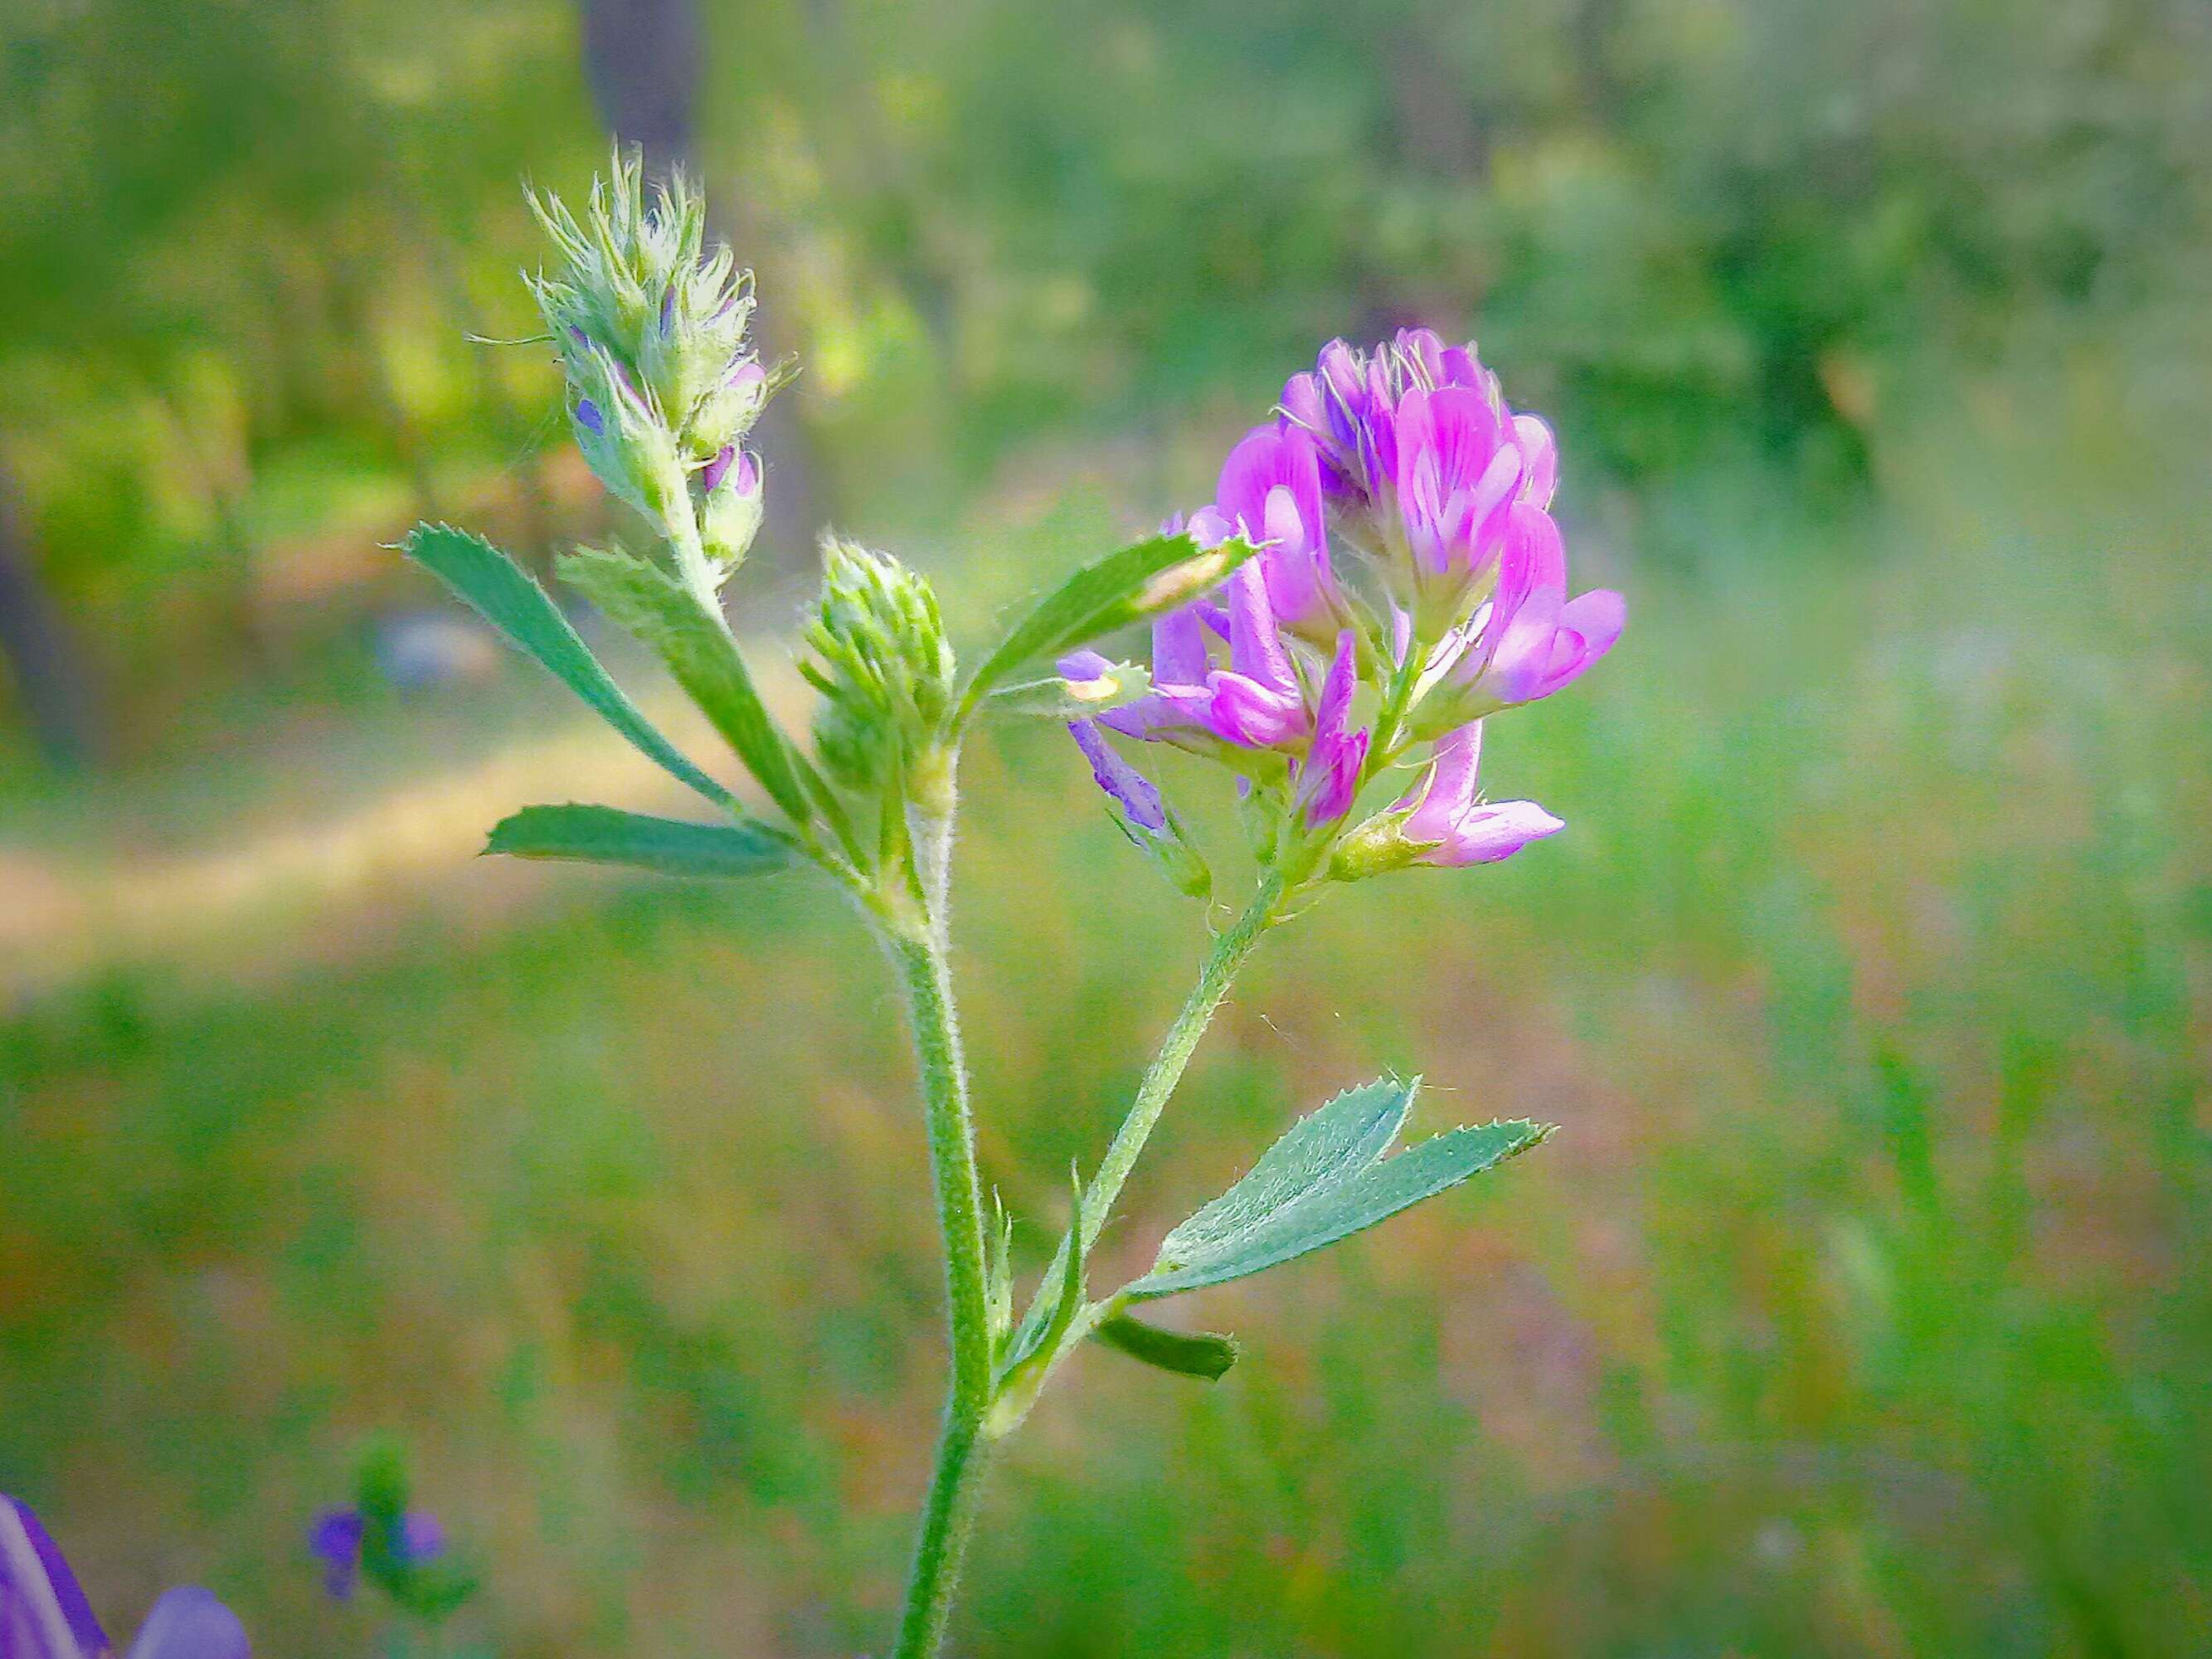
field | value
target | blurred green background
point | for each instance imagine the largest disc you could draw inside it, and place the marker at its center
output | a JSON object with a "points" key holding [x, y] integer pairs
{"points": [[1863, 1305]]}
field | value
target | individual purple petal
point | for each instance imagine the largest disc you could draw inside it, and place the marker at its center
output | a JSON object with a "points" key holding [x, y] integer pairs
{"points": [[335, 1539], [1255, 643], [1451, 825], [711, 475], [1589, 625], [421, 1537], [43, 1611], [1453, 472], [748, 479], [1440, 798], [190, 1623], [1492, 830], [1534, 640], [1255, 715], [588, 417], [1139, 798], [1208, 528], [1423, 352], [1085, 665], [1328, 778], [1179, 647], [1270, 489], [1540, 459]]}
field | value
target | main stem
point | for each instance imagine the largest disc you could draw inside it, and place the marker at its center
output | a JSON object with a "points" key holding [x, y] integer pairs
{"points": [[949, 1511]]}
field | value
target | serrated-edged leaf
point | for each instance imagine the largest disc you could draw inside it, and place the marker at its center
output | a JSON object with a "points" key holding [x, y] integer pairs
{"points": [[1337, 1211], [700, 653], [672, 846], [1319, 1150], [1205, 1354], [505, 596], [1137, 581], [1058, 698]]}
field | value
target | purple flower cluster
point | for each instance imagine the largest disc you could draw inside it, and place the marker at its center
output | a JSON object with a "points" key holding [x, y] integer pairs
{"points": [[1402, 512], [339, 1536], [44, 1614]]}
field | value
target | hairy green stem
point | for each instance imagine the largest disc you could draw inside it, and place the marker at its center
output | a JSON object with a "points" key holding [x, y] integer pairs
{"points": [[949, 1511], [1230, 951], [1227, 955], [946, 1522]]}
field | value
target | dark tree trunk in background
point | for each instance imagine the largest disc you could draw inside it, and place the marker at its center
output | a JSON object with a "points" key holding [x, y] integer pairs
{"points": [[52, 680], [644, 59]]}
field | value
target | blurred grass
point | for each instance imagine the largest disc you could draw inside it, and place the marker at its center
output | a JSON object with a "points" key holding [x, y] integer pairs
{"points": [[1860, 1308]]}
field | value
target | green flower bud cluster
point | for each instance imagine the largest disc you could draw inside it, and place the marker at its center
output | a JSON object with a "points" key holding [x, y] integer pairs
{"points": [[885, 670], [650, 324]]}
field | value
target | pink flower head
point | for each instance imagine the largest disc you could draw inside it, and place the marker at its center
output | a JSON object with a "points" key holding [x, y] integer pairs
{"points": [[1451, 824], [1531, 639], [1415, 442]]}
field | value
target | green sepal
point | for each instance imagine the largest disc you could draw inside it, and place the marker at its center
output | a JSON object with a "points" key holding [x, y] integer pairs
{"points": [[1056, 697], [1137, 582], [1324, 1181], [1205, 1354], [1036, 1342], [999, 1274], [700, 654], [670, 846], [504, 595]]}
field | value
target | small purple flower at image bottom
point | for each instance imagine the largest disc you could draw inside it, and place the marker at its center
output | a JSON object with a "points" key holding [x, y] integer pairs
{"points": [[337, 1537], [44, 1614]]}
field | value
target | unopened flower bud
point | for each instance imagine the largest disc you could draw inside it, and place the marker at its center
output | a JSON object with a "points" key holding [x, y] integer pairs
{"points": [[730, 505], [650, 324], [883, 665]]}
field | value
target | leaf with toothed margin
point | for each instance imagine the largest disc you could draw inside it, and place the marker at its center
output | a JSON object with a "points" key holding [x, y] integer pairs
{"points": [[500, 592], [1321, 1149], [670, 846], [1324, 1181], [1139, 580], [1205, 1354]]}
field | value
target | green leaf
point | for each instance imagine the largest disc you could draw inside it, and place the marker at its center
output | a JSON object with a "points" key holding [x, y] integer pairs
{"points": [[1139, 580], [1319, 1150], [499, 590], [606, 835], [1188, 1353], [697, 646], [1057, 698], [1269, 1218]]}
